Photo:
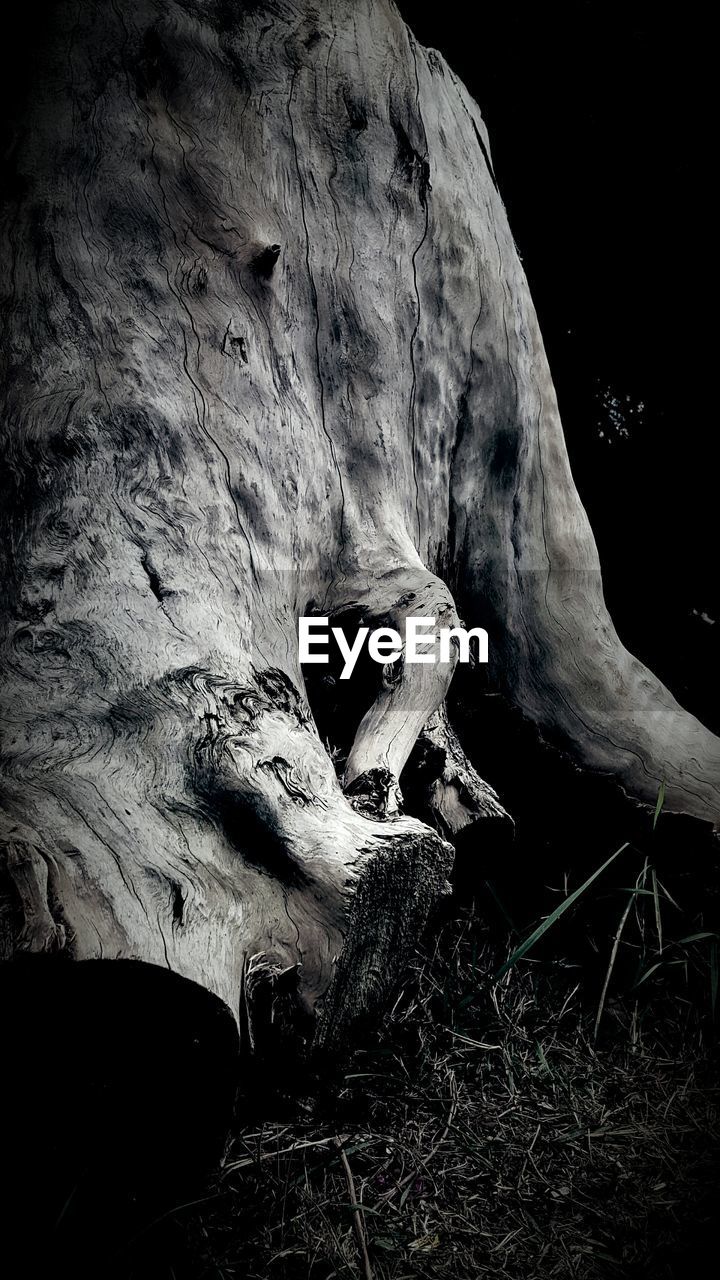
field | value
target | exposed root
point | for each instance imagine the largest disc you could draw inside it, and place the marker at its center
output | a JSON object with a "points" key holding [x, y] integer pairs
{"points": [[455, 794]]}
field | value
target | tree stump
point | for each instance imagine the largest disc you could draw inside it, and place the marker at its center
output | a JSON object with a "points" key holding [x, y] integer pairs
{"points": [[269, 350]]}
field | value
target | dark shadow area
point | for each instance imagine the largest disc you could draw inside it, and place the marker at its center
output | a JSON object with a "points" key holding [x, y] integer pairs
{"points": [[564, 815], [339, 705], [118, 1087], [567, 824]]}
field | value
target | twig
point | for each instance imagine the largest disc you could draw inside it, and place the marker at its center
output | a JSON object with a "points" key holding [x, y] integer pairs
{"points": [[356, 1211]]}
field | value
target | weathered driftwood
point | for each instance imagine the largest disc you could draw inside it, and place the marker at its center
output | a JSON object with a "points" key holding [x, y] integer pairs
{"points": [[269, 350]]}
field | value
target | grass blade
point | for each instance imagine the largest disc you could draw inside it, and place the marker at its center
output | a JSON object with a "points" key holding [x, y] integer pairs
{"points": [[659, 804], [611, 964], [559, 911], [653, 969], [658, 917]]}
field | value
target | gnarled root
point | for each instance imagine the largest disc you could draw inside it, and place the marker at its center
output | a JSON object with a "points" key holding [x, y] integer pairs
{"points": [[453, 792]]}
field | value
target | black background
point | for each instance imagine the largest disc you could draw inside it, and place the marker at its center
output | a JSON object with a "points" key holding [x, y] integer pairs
{"points": [[603, 139]]}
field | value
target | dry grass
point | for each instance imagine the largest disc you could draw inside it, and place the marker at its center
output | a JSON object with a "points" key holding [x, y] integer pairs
{"points": [[481, 1134]]}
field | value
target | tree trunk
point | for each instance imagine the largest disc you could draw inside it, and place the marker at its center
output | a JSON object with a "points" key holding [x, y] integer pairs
{"points": [[271, 352]]}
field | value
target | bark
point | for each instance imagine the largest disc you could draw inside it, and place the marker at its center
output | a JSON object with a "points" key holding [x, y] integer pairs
{"points": [[270, 351]]}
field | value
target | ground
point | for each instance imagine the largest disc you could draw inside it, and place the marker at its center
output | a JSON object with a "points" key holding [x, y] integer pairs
{"points": [[485, 1131]]}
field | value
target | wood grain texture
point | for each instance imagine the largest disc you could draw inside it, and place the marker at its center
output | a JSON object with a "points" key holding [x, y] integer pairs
{"points": [[269, 350]]}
